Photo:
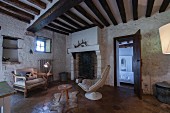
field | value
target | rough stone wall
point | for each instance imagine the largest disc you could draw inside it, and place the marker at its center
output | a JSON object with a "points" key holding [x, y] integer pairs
{"points": [[156, 66], [59, 54], [16, 28]]}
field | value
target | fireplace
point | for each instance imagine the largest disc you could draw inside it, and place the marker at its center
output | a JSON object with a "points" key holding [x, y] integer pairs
{"points": [[84, 52], [85, 65]]}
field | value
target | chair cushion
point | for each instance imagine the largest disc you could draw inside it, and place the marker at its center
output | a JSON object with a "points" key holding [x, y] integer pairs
{"points": [[20, 83], [34, 81]]}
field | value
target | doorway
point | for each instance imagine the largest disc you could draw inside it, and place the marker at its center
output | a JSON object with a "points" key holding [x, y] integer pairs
{"points": [[127, 62]]}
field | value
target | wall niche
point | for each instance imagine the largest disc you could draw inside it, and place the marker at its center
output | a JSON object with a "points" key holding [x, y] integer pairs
{"points": [[10, 50]]}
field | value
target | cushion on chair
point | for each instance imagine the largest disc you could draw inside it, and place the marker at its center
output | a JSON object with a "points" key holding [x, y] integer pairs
{"points": [[34, 81], [20, 83]]}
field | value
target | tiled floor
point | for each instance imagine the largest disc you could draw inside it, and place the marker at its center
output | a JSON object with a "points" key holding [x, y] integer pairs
{"points": [[115, 100]]}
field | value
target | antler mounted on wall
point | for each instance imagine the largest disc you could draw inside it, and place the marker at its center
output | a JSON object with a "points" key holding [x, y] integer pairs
{"points": [[82, 44]]}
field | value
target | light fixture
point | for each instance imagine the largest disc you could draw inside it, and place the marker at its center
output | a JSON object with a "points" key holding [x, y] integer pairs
{"points": [[164, 32], [47, 65]]}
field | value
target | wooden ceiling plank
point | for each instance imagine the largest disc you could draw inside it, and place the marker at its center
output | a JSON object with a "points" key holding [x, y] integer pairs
{"points": [[77, 18], [14, 15], [150, 4], [88, 16], [94, 9], [50, 1], [164, 5], [121, 8], [68, 20], [59, 28], [55, 30], [38, 3], [11, 8], [24, 6], [85, 27], [108, 11], [55, 11], [135, 9], [64, 25]]}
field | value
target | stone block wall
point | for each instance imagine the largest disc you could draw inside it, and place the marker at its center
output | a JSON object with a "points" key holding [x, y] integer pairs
{"points": [[16, 28], [156, 66]]}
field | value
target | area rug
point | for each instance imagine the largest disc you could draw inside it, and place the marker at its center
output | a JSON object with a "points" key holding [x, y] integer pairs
{"points": [[60, 105]]}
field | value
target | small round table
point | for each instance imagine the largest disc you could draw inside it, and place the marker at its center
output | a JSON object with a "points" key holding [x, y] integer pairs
{"points": [[64, 88]]}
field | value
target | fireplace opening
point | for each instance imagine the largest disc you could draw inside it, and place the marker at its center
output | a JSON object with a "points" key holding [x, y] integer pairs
{"points": [[86, 63]]}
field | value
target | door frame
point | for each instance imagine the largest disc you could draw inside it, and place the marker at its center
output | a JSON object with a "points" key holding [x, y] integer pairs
{"points": [[116, 55]]}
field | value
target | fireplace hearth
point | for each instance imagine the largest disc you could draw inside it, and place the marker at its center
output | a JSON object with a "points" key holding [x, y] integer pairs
{"points": [[86, 65]]}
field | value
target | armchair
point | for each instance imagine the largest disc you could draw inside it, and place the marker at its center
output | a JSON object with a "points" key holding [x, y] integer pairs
{"points": [[90, 86], [28, 79]]}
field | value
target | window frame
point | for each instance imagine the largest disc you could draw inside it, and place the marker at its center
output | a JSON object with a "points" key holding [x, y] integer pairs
{"points": [[43, 39]]}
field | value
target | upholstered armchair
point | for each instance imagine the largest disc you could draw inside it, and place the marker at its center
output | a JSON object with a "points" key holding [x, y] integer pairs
{"points": [[91, 86], [28, 79]]}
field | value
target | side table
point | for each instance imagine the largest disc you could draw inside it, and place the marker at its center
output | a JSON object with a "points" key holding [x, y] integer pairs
{"points": [[64, 88]]}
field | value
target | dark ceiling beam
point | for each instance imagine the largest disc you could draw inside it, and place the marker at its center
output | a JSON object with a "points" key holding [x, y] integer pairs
{"points": [[13, 9], [59, 28], [38, 3], [135, 9], [24, 6], [64, 25], [108, 11], [94, 9], [88, 16], [150, 4], [55, 11], [50, 1], [14, 15], [121, 8], [77, 18], [68, 20], [126, 45], [85, 27], [164, 5], [55, 30]]}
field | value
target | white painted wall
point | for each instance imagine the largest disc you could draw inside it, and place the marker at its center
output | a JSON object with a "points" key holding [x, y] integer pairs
{"points": [[126, 51]]}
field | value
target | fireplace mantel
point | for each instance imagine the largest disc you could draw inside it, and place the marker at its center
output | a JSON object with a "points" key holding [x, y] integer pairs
{"points": [[83, 49]]}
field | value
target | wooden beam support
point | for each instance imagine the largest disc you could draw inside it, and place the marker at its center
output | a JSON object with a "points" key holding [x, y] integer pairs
{"points": [[108, 11], [68, 20], [150, 4], [50, 1], [164, 5], [24, 6], [13, 9], [94, 9], [126, 45], [64, 25], [14, 15], [38, 3], [88, 16], [55, 11], [85, 27], [135, 9], [59, 28], [77, 18], [121, 8], [55, 30]]}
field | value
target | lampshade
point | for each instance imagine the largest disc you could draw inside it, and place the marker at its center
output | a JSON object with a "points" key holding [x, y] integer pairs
{"points": [[47, 64], [164, 32]]}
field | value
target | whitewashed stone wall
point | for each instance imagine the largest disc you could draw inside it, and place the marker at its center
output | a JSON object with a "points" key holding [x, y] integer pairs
{"points": [[156, 66], [16, 28]]}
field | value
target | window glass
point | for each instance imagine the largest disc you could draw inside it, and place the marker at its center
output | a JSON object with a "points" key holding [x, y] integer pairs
{"points": [[43, 45]]}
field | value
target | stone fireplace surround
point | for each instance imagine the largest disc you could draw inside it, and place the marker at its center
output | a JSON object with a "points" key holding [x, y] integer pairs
{"points": [[94, 48]]}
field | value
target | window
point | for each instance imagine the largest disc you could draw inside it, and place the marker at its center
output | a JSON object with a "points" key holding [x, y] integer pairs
{"points": [[43, 45]]}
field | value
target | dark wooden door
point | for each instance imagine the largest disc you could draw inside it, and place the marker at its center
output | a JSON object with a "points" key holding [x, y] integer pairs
{"points": [[137, 64]]}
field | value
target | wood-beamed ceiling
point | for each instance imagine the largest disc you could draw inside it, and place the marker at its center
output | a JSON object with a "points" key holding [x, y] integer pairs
{"points": [[68, 16]]}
